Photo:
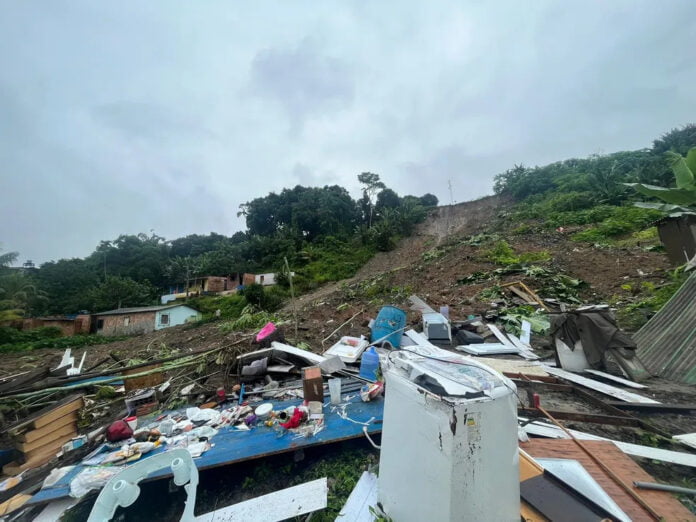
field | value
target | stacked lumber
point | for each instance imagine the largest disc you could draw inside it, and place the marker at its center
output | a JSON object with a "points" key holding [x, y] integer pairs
{"points": [[41, 435]]}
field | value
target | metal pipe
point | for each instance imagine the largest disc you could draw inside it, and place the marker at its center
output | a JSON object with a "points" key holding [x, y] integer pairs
{"points": [[665, 487]]}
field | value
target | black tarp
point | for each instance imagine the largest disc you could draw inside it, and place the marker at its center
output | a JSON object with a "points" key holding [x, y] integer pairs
{"points": [[597, 329]]}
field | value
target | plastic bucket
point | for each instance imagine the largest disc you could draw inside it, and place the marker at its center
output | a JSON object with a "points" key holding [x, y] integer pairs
{"points": [[390, 320]]}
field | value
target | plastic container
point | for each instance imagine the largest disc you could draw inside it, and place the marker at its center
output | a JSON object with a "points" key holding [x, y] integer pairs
{"points": [[369, 364], [132, 422], [390, 320], [335, 390], [264, 410]]}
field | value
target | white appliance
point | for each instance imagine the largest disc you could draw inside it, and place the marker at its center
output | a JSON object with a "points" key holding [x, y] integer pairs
{"points": [[449, 441]]}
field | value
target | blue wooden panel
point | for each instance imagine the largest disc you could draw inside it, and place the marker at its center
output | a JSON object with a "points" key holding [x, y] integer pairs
{"points": [[232, 446]]}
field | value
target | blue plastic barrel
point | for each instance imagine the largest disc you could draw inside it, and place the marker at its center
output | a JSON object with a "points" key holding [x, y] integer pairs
{"points": [[390, 320], [369, 363]]}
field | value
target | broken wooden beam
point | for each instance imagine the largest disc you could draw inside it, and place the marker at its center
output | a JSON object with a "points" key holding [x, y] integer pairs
{"points": [[654, 408]]}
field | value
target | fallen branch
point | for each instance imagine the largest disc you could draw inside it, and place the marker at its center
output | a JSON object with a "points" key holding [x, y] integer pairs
{"points": [[337, 329]]}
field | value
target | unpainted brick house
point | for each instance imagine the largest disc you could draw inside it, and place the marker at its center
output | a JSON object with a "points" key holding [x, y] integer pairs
{"points": [[144, 319]]}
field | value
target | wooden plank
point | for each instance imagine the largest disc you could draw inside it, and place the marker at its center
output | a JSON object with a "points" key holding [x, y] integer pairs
{"points": [[64, 406], [280, 505], [13, 504], [665, 504], [23, 380], [31, 436], [146, 381], [600, 387], [58, 413], [50, 447], [582, 417], [542, 429], [614, 378], [655, 408], [57, 433]]}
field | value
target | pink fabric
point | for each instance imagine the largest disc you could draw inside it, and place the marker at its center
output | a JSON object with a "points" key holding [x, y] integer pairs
{"points": [[265, 332]]}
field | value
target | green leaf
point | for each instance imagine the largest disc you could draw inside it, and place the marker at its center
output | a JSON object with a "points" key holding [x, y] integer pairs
{"points": [[682, 173], [691, 160], [669, 195]]}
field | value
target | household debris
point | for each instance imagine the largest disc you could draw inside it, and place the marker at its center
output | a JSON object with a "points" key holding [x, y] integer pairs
{"points": [[282, 398], [588, 337]]}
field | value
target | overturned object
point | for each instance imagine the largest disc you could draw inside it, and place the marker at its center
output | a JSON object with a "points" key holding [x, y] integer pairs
{"points": [[465, 440], [594, 331]]}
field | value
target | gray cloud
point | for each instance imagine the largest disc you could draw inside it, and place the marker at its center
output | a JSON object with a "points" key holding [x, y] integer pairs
{"points": [[131, 117], [302, 80]]}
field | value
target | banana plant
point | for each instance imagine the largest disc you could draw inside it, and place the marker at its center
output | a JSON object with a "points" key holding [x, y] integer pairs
{"points": [[677, 201]]}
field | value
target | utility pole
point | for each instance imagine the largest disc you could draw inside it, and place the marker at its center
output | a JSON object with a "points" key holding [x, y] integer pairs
{"points": [[449, 184], [292, 295]]}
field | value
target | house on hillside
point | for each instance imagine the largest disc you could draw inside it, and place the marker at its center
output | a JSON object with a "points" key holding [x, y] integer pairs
{"points": [[68, 324], [143, 319], [208, 285], [267, 279]]}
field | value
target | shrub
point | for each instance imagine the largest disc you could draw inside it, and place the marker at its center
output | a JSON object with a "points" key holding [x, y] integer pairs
{"points": [[623, 221], [502, 254]]}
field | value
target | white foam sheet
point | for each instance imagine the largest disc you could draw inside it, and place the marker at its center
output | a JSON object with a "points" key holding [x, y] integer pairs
{"points": [[276, 506], [364, 495], [601, 387]]}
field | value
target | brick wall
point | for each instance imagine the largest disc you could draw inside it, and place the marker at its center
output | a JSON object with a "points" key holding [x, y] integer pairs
{"points": [[142, 322]]}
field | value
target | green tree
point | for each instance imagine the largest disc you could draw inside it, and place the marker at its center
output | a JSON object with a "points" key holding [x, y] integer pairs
{"points": [[429, 200], [387, 198], [183, 269], [120, 292], [67, 283], [372, 185]]}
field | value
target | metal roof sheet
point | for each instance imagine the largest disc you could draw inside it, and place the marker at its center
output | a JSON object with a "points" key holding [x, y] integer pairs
{"points": [[139, 309], [667, 343]]}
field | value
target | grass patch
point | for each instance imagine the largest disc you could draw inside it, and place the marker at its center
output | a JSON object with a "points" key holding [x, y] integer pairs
{"points": [[12, 340], [501, 253], [624, 220], [633, 316]]}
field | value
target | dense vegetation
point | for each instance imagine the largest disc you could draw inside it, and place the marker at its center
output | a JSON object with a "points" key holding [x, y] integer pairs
{"points": [[593, 197], [610, 200], [323, 233]]}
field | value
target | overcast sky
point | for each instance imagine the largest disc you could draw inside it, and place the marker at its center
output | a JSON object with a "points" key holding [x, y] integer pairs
{"points": [[127, 117]]}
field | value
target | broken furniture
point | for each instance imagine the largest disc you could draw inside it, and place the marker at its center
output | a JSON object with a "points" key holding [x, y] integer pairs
{"points": [[41, 436]]}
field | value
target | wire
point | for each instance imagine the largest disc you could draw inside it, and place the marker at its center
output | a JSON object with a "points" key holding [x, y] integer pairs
{"points": [[370, 439]]}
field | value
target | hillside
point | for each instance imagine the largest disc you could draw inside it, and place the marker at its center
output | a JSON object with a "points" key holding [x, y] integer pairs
{"points": [[428, 263]]}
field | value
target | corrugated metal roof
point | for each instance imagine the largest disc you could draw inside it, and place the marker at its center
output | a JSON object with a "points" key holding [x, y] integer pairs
{"points": [[667, 343], [139, 309]]}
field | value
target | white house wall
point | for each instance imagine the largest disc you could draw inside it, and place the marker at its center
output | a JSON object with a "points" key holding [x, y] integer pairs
{"points": [[178, 315]]}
